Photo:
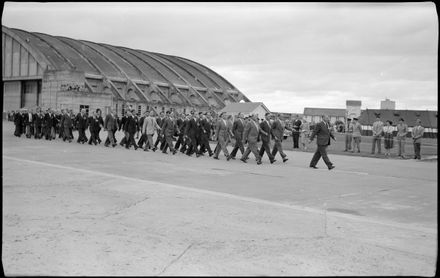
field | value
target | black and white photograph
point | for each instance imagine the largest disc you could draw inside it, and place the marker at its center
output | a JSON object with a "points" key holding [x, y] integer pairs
{"points": [[219, 139]]}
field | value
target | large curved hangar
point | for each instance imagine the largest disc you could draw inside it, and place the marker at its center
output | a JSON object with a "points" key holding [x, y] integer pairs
{"points": [[59, 72]]}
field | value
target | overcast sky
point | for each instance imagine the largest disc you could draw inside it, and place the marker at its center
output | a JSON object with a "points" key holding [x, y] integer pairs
{"points": [[287, 55]]}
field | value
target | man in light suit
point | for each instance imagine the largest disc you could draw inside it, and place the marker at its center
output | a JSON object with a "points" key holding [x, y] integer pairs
{"points": [[278, 132], [265, 133], [323, 132], [250, 134], [222, 134], [149, 127], [237, 130], [110, 125]]}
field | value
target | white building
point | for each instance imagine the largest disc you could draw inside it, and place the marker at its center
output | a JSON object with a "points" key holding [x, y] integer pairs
{"points": [[247, 108]]}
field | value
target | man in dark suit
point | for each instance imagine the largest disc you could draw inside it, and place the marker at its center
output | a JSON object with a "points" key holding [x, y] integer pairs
{"points": [[160, 137], [82, 121], [205, 130], [222, 135], [49, 123], [191, 131], [180, 131], [18, 121], [265, 133], [237, 130], [168, 128], [39, 117], [324, 133], [130, 128], [66, 126]]}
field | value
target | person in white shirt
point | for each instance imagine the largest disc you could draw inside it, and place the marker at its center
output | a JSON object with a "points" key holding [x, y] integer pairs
{"points": [[402, 130]]}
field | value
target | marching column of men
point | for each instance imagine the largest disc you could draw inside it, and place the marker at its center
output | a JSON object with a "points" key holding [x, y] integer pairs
{"points": [[193, 131]]}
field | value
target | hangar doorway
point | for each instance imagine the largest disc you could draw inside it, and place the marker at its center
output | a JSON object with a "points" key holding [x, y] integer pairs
{"points": [[31, 93]]}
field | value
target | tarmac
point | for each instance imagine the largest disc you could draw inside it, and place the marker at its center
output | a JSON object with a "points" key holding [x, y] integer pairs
{"points": [[74, 209]]}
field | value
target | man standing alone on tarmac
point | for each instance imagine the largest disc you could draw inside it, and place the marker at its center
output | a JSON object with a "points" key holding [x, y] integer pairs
{"points": [[323, 132], [417, 135], [296, 130], [348, 136]]}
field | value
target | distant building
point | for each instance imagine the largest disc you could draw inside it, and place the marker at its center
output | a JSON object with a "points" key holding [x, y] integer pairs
{"points": [[288, 116], [315, 114], [247, 108], [428, 118], [388, 104]]}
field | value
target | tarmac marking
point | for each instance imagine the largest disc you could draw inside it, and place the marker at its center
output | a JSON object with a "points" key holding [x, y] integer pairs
{"points": [[414, 227]]}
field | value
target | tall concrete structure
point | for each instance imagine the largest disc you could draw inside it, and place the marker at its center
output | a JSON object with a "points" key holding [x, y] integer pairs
{"points": [[59, 72], [387, 104]]}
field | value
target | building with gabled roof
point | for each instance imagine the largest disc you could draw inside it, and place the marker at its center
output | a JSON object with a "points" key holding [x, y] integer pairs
{"points": [[247, 108]]}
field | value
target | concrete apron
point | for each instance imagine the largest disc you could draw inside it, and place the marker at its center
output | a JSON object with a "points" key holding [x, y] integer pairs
{"points": [[95, 223]]}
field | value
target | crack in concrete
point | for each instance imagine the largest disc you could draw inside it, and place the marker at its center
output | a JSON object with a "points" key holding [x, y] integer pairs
{"points": [[176, 259], [125, 207]]}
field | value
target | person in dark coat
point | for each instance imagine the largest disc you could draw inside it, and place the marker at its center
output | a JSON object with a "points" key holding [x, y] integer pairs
{"points": [[168, 129], [82, 121], [93, 123], [38, 124], [237, 130], [67, 126], [130, 127], [265, 133], [48, 124], [18, 121], [205, 130], [191, 131], [101, 124], [180, 123], [323, 132], [110, 125]]}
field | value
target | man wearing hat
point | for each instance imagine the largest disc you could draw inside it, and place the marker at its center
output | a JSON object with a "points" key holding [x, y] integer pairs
{"points": [[168, 129], [205, 130], [348, 135], [357, 132], [130, 127], [402, 130], [250, 135], [191, 131]]}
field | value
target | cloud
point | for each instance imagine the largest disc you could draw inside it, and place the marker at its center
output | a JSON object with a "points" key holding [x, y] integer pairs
{"points": [[288, 55]]}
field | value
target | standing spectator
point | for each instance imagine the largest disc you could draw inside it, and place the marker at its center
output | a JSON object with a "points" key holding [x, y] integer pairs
{"points": [[296, 129], [357, 132], [417, 135], [388, 137], [402, 130], [323, 132], [377, 135], [348, 135], [305, 134]]}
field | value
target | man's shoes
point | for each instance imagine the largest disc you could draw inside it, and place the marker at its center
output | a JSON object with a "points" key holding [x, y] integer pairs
{"points": [[146, 150], [197, 154], [228, 158], [106, 145], [285, 159], [174, 152], [243, 159], [215, 157], [164, 152], [314, 167], [331, 167], [272, 161], [211, 154], [114, 145], [259, 162], [135, 148], [154, 149]]}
